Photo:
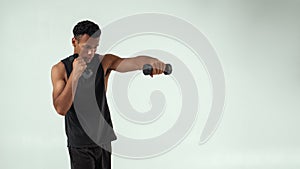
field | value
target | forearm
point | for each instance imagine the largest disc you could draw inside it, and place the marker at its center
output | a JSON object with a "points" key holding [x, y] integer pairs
{"points": [[64, 101], [131, 64], [140, 61]]}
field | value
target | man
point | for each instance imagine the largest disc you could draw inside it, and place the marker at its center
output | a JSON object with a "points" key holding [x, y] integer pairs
{"points": [[69, 77]]}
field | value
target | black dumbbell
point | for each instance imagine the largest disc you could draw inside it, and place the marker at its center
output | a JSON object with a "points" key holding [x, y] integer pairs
{"points": [[147, 69]]}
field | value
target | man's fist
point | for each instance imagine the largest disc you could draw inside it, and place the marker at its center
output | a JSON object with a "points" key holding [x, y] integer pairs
{"points": [[79, 65], [158, 67]]}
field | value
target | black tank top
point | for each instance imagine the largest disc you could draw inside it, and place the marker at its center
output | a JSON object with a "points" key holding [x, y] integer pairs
{"points": [[90, 125]]}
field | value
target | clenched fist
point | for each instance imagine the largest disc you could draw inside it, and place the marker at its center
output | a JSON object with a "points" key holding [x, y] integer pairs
{"points": [[79, 65], [158, 67]]}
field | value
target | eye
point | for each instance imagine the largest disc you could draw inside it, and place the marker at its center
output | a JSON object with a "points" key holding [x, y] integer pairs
{"points": [[88, 47]]}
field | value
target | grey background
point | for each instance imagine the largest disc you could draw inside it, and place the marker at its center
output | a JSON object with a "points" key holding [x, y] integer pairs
{"points": [[258, 46]]}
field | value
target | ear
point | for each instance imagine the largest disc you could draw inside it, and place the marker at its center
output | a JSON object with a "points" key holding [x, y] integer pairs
{"points": [[74, 42]]}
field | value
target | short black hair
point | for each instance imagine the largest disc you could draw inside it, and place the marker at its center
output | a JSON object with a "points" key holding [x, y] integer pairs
{"points": [[86, 27]]}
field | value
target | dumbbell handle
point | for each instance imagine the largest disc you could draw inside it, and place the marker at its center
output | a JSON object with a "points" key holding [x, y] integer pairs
{"points": [[147, 69]]}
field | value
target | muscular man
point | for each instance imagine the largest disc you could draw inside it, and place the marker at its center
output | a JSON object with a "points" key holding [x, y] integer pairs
{"points": [[68, 74]]}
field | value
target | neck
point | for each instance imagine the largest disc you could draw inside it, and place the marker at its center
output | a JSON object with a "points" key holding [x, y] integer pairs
{"points": [[75, 51]]}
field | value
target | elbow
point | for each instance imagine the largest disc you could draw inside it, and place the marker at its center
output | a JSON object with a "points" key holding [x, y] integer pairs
{"points": [[60, 110], [62, 113], [60, 107]]}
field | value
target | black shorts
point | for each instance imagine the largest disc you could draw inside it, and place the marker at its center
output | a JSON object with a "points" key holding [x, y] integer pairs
{"points": [[91, 157]]}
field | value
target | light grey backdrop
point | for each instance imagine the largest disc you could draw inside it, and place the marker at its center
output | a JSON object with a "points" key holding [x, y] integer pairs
{"points": [[257, 43]]}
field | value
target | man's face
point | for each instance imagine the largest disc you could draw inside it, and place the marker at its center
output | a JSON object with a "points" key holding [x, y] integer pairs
{"points": [[86, 47]]}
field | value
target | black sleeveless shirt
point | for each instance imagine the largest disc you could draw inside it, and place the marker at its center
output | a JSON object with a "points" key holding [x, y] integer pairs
{"points": [[88, 122]]}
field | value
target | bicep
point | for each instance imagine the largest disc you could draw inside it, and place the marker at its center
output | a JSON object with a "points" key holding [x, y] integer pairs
{"points": [[58, 82]]}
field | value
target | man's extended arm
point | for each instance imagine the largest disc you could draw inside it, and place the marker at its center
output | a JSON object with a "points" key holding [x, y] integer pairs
{"points": [[113, 62]]}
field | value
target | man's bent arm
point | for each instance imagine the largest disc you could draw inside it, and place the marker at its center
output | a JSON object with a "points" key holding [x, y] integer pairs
{"points": [[62, 91]]}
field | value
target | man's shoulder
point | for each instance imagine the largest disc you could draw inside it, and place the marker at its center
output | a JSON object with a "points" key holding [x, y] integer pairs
{"points": [[58, 71], [58, 65], [109, 55]]}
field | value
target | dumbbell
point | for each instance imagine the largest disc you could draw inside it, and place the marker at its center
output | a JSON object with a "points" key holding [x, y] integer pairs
{"points": [[147, 69]]}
